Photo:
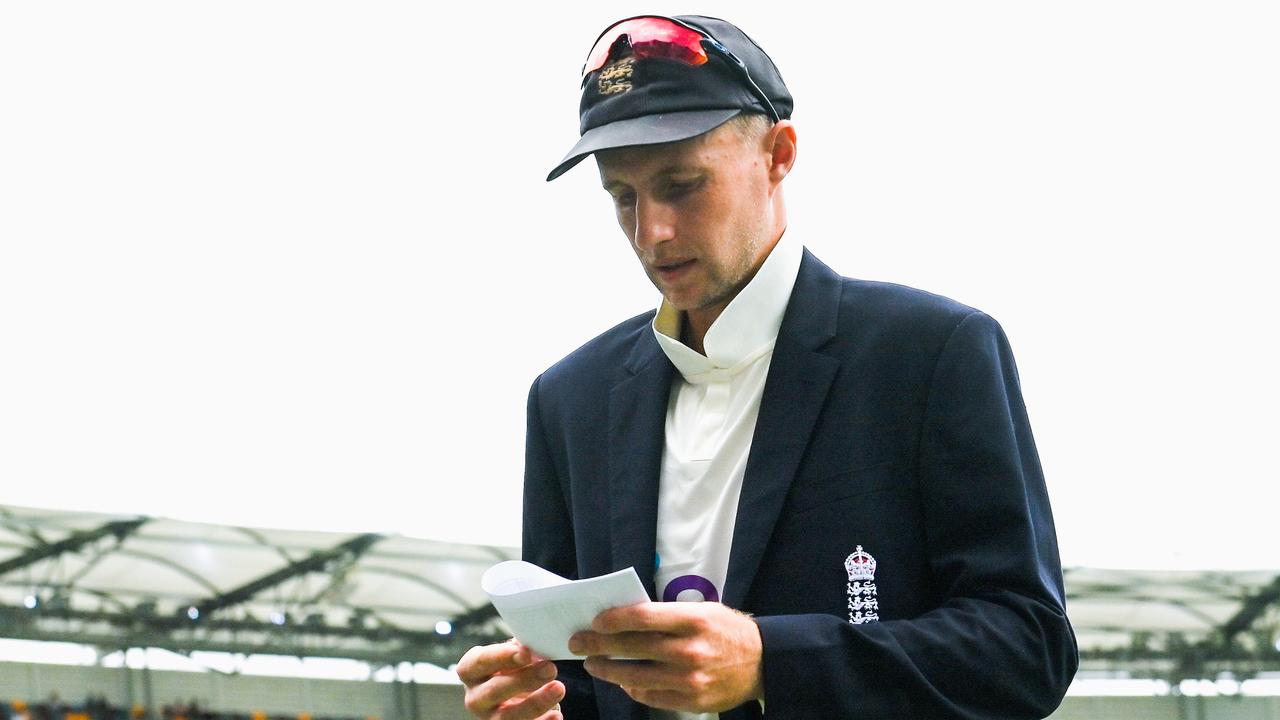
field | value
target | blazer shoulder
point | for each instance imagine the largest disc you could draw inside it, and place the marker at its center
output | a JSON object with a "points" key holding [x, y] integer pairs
{"points": [[887, 310], [893, 300], [601, 356]]}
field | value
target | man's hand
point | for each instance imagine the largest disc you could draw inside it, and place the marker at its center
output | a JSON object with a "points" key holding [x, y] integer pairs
{"points": [[704, 657], [505, 681]]}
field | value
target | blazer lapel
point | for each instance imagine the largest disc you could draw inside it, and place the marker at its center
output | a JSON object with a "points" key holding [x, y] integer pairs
{"points": [[794, 392], [637, 421]]}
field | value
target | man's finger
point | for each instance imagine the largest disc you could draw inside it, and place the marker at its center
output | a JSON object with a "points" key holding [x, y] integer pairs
{"points": [[669, 617], [661, 699], [482, 661], [511, 685], [633, 645], [640, 675], [542, 704]]}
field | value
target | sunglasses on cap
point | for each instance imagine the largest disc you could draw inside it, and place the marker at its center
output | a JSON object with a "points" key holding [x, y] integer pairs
{"points": [[656, 36]]}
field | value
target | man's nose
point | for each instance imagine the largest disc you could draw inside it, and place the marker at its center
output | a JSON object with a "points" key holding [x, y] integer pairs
{"points": [[655, 224]]}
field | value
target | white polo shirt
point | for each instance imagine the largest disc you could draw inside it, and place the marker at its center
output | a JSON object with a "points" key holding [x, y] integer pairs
{"points": [[711, 416]]}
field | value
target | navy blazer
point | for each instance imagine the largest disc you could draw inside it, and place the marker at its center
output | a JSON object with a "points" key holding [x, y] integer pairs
{"points": [[891, 419]]}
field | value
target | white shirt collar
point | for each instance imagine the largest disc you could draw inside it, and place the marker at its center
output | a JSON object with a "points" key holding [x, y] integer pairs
{"points": [[748, 326]]}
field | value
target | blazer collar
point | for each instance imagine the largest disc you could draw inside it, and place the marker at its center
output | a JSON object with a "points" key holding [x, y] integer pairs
{"points": [[795, 389], [637, 418], [811, 315]]}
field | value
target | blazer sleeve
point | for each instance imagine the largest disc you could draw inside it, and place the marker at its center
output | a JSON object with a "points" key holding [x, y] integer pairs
{"points": [[998, 643], [548, 542]]}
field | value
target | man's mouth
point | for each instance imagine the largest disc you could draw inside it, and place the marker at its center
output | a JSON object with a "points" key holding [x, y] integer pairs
{"points": [[670, 270]]}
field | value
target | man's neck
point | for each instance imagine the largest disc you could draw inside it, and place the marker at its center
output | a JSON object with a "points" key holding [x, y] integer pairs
{"points": [[694, 325], [697, 321]]}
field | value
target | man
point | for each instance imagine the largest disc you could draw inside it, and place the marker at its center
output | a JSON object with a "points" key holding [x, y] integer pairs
{"points": [[849, 462]]}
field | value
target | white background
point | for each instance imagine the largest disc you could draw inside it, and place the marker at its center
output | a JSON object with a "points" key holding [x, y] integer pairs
{"points": [[294, 264]]}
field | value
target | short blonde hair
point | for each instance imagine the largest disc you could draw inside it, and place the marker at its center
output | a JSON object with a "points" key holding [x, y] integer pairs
{"points": [[750, 126]]}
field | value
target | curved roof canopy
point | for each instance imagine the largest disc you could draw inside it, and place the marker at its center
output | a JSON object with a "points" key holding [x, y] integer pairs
{"points": [[133, 581], [120, 582]]}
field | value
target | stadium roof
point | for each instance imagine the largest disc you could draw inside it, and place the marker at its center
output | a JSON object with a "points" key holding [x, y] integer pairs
{"points": [[119, 582], [133, 581]]}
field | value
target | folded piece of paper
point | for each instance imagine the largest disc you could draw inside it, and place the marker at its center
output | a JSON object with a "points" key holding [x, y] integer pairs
{"points": [[544, 609]]}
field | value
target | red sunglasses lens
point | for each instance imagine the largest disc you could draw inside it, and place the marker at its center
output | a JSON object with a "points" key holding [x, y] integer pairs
{"points": [[650, 37]]}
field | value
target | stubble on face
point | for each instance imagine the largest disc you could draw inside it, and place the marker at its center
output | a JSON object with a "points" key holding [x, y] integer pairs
{"points": [[723, 281]]}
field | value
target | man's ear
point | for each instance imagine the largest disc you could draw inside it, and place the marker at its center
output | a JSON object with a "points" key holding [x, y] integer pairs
{"points": [[780, 142]]}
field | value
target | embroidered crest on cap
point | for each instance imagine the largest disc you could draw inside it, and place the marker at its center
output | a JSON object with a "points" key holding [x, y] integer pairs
{"points": [[616, 76], [864, 605]]}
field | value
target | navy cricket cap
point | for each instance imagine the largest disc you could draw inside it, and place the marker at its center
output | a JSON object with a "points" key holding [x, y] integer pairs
{"points": [[646, 83]]}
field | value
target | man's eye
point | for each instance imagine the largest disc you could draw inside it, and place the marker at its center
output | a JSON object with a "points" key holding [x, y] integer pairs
{"points": [[624, 200], [678, 189]]}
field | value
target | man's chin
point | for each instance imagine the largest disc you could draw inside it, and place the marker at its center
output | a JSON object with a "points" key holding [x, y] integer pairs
{"points": [[692, 300], [683, 303], [695, 304]]}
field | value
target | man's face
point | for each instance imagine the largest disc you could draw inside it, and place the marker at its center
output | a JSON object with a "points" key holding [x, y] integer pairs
{"points": [[696, 213]]}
